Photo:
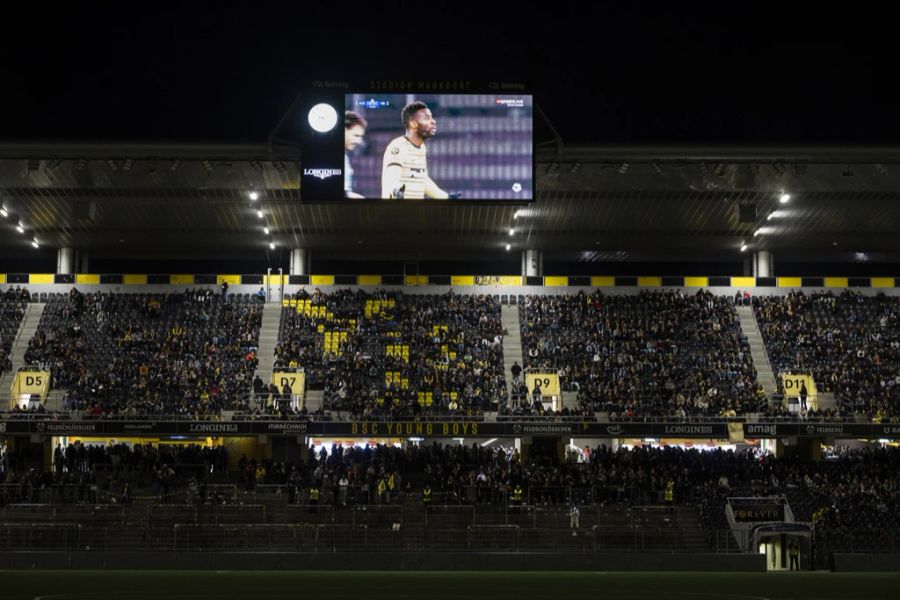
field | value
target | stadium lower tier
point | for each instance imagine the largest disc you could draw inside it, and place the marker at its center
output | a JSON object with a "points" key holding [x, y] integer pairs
{"points": [[451, 498]]}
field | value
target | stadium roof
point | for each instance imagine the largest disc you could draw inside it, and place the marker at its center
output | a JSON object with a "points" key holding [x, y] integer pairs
{"points": [[594, 203]]}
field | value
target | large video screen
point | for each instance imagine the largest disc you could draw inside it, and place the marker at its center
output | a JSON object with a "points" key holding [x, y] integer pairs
{"points": [[431, 147]]}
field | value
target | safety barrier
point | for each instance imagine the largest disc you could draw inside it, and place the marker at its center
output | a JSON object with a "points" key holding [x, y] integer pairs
{"points": [[330, 538]]}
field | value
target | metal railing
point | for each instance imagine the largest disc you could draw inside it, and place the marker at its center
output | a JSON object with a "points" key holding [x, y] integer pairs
{"points": [[863, 540], [332, 537], [598, 417]]}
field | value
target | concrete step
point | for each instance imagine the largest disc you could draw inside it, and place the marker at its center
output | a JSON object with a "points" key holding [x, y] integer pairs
{"points": [[750, 328], [512, 342]]}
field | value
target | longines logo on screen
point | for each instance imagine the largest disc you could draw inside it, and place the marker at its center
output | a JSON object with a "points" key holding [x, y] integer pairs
{"points": [[322, 173], [614, 429]]}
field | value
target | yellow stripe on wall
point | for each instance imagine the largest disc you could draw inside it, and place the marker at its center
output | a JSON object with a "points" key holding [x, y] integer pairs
{"points": [[134, 279], [274, 280], [321, 280], [649, 281], [40, 278], [181, 279], [510, 280], [877, 282], [790, 282], [2, 277], [836, 282], [556, 281], [370, 280], [229, 279], [602, 281], [462, 280], [743, 282], [87, 279], [696, 282]]}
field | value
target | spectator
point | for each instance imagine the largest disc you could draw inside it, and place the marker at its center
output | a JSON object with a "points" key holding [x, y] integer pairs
{"points": [[647, 354], [177, 354], [574, 515], [849, 344]]}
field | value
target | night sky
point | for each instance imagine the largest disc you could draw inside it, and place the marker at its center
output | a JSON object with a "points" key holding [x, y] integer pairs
{"points": [[635, 72]]}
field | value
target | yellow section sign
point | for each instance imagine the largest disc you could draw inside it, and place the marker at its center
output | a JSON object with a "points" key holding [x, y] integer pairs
{"points": [[791, 382], [548, 382], [31, 383], [295, 381]]}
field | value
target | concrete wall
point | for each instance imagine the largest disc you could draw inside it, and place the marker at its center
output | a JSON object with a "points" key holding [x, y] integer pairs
{"points": [[866, 562], [382, 561]]}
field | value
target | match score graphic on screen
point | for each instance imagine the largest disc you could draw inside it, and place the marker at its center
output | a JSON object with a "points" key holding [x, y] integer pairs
{"points": [[418, 147]]}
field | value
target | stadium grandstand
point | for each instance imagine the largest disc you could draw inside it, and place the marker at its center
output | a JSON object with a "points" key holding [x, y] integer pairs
{"points": [[720, 410], [453, 352]]}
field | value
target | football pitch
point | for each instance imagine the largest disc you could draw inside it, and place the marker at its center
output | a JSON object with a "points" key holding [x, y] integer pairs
{"points": [[273, 585]]}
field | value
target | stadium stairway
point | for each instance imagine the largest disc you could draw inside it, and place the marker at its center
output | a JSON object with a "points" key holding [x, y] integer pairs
{"points": [[512, 341], [27, 329], [750, 329], [268, 337]]}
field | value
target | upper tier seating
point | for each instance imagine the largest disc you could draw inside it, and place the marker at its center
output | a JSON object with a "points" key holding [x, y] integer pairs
{"points": [[390, 355], [850, 344], [655, 353], [181, 353]]}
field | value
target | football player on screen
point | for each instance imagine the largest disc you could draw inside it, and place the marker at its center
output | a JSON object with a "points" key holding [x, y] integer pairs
{"points": [[404, 172], [354, 131]]}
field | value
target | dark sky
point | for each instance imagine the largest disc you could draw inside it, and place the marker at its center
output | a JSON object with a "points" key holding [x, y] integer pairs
{"points": [[731, 72]]}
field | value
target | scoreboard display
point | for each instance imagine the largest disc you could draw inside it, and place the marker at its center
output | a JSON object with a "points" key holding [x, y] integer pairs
{"points": [[409, 146]]}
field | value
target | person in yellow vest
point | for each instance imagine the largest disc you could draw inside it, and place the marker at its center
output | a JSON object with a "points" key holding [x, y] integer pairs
{"points": [[517, 498], [670, 495], [391, 484], [426, 496], [381, 490], [313, 498]]}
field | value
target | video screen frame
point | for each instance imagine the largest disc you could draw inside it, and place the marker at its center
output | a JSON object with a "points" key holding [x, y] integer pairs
{"points": [[366, 164]]}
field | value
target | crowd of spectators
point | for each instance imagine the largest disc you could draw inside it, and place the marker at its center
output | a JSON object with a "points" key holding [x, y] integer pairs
{"points": [[849, 343], [655, 353], [12, 308], [99, 472], [397, 356], [186, 353], [846, 489]]}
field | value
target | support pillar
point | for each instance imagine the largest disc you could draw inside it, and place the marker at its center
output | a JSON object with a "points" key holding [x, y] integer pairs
{"points": [[300, 259], [763, 264], [532, 263], [65, 261]]}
